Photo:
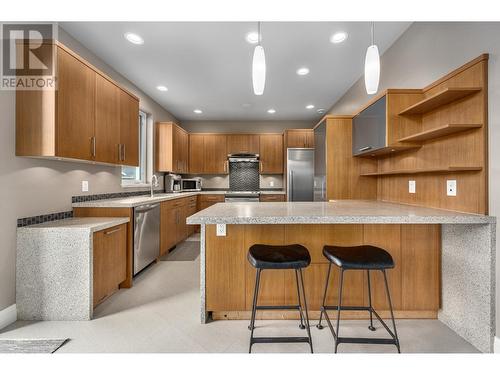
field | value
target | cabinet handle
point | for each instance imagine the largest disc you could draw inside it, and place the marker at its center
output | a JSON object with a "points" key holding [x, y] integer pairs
{"points": [[112, 231], [92, 140], [226, 165], [124, 153], [260, 166], [365, 148], [120, 152]]}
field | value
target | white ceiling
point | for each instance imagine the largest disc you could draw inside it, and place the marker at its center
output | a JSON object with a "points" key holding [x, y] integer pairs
{"points": [[207, 65]]}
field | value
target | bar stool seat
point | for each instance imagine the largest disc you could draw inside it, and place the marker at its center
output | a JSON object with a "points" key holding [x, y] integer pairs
{"points": [[271, 257], [366, 258], [279, 257], [359, 257]]}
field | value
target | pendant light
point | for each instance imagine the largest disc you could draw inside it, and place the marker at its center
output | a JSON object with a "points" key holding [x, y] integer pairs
{"points": [[259, 67], [372, 66]]}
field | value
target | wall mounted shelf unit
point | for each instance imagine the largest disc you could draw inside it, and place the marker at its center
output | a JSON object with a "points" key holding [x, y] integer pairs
{"points": [[440, 131]]}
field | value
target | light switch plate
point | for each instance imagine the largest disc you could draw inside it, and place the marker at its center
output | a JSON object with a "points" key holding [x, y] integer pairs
{"points": [[85, 186], [451, 188], [221, 230], [412, 186]]}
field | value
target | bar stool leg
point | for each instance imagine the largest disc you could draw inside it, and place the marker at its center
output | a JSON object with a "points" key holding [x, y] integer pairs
{"points": [[392, 313], [305, 307], [319, 326], [301, 326], [339, 307], [254, 308], [370, 327]]}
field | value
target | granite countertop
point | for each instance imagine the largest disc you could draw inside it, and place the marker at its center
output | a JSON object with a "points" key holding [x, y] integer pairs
{"points": [[334, 212], [92, 224], [130, 202]]}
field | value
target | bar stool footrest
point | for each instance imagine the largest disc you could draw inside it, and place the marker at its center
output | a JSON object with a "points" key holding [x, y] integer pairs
{"points": [[365, 340], [279, 340], [286, 307]]}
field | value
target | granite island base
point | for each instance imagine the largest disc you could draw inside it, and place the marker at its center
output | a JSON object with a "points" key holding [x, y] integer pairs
{"points": [[444, 260]]}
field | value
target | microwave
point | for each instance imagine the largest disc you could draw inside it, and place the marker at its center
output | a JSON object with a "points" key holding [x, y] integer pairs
{"points": [[191, 184]]}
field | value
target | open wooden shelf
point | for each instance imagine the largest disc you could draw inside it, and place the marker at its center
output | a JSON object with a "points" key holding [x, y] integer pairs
{"points": [[439, 132], [443, 97], [423, 170], [389, 150]]}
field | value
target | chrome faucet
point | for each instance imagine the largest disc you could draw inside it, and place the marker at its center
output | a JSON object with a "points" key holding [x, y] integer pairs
{"points": [[154, 183]]}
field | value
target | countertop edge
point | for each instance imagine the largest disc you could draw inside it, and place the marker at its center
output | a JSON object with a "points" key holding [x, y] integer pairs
{"points": [[106, 223]]}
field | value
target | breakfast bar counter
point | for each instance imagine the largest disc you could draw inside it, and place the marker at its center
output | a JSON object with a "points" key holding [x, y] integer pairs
{"points": [[445, 260]]}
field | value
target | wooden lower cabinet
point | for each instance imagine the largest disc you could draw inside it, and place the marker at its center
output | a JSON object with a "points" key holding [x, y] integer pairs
{"points": [[272, 197], [414, 282], [207, 200], [109, 261], [173, 227]]}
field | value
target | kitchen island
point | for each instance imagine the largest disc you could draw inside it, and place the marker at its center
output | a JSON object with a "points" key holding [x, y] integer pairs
{"points": [[444, 259]]}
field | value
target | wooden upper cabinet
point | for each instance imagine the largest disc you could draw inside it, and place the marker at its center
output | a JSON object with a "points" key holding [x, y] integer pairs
{"points": [[129, 130], [196, 153], [215, 154], [172, 143], [271, 154], [242, 143], [299, 138], [107, 121], [75, 108], [85, 119]]}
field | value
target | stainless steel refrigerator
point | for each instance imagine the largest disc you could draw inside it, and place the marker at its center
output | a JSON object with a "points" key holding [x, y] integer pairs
{"points": [[300, 174], [320, 162]]}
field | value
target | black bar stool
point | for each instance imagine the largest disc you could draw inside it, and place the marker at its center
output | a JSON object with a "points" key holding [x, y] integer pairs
{"points": [[267, 257], [367, 258]]}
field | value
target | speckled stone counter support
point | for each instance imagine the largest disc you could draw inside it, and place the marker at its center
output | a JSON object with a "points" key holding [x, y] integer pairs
{"points": [[54, 273], [202, 276], [468, 282]]}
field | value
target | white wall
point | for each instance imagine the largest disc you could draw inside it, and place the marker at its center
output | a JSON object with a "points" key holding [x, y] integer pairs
{"points": [[426, 52], [30, 187]]}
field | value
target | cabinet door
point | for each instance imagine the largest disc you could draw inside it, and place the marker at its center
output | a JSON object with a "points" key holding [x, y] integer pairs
{"points": [[129, 129], [309, 138], [196, 154], [107, 120], [369, 128], [109, 261], [242, 143], [272, 197], [168, 224], [75, 108], [185, 152], [271, 154], [215, 154], [179, 149]]}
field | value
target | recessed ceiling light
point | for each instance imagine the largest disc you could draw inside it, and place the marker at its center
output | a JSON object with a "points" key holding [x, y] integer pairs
{"points": [[271, 110], [162, 88], [338, 37], [303, 71], [134, 38], [320, 110], [252, 37], [310, 106], [198, 111]]}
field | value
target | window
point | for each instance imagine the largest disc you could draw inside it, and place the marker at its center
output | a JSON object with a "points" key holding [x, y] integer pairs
{"points": [[132, 176]]}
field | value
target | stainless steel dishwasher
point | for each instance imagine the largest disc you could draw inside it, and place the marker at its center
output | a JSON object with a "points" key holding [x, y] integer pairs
{"points": [[146, 235]]}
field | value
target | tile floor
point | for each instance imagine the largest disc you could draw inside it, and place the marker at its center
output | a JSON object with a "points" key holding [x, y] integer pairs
{"points": [[161, 314]]}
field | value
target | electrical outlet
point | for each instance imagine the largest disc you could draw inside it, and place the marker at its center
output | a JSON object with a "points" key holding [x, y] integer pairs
{"points": [[221, 230], [85, 186], [451, 188], [412, 187], [271, 183]]}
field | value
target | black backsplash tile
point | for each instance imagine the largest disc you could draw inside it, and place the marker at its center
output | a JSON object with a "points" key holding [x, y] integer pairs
{"points": [[121, 194], [244, 176], [25, 221]]}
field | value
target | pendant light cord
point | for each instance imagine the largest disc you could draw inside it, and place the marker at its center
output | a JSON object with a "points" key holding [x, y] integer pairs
{"points": [[260, 37], [373, 33]]}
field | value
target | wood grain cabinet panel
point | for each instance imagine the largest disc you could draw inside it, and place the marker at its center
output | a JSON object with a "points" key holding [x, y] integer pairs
{"points": [[225, 269], [242, 143], [196, 153], [107, 121], [172, 143], [86, 118], [272, 197], [299, 138], [109, 261], [75, 108], [215, 154], [271, 154], [129, 130]]}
